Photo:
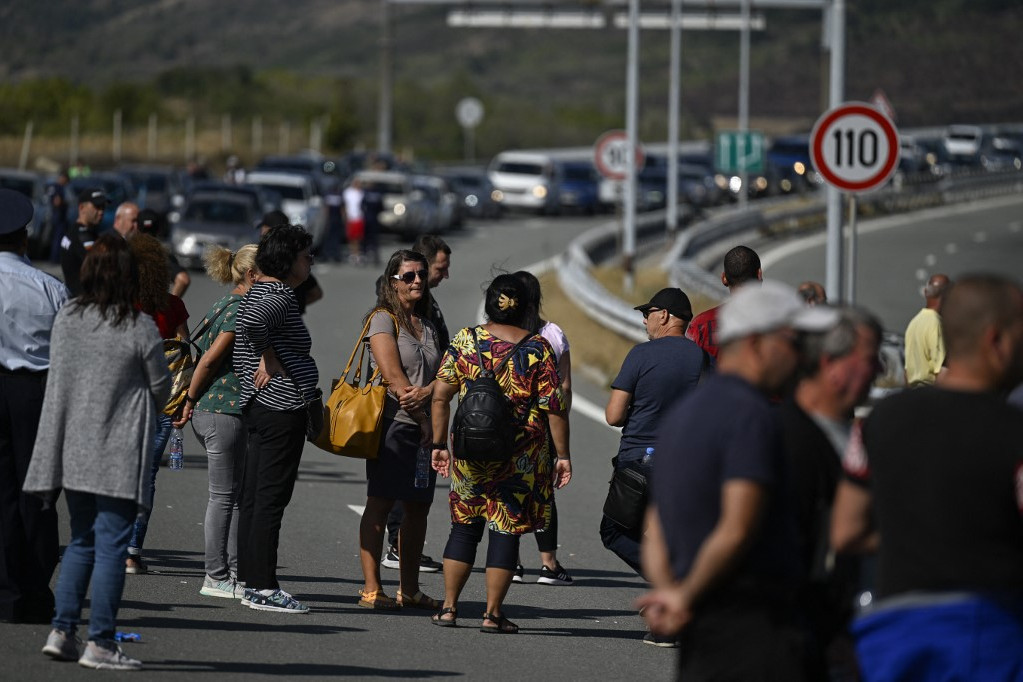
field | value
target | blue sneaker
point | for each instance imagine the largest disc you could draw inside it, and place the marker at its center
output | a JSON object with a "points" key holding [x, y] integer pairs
{"points": [[278, 600]]}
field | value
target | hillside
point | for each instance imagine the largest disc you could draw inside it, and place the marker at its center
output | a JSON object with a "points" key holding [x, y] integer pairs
{"points": [[938, 61]]}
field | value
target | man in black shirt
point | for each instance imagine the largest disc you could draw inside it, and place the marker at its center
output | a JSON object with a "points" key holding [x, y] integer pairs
{"points": [[935, 486], [76, 243]]}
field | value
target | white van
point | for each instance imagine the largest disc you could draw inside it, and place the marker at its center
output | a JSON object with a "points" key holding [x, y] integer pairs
{"points": [[962, 142], [527, 180], [299, 200]]}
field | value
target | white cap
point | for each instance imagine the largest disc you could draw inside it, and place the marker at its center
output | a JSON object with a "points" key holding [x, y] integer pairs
{"points": [[772, 305]]}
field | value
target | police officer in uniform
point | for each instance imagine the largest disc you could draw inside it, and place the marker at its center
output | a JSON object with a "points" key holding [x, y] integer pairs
{"points": [[73, 247], [29, 301]]}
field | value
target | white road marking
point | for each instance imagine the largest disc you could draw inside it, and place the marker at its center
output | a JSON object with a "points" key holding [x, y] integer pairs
{"points": [[357, 508]]}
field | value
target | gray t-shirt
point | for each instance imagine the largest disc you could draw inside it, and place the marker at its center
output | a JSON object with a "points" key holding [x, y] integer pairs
{"points": [[419, 359]]}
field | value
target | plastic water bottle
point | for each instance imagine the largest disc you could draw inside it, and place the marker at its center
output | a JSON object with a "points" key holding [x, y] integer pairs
{"points": [[423, 456], [177, 457], [648, 458]]}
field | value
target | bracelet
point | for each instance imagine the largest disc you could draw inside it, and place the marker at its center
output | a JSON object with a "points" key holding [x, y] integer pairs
{"points": [[564, 459], [440, 446], [190, 399]]}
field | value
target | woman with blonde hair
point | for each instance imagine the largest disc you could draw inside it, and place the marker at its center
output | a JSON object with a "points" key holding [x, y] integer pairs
{"points": [[214, 406], [170, 315]]}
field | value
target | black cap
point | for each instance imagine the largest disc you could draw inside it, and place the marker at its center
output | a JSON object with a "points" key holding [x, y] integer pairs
{"points": [[672, 299], [95, 196], [15, 211], [149, 221]]}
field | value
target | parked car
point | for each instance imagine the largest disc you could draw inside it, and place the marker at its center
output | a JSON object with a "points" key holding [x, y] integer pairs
{"points": [[788, 167], [263, 200], [406, 211], [449, 208], [213, 218], [157, 187], [526, 180], [963, 143], [32, 186], [324, 172], [299, 199], [476, 193], [577, 186], [1001, 153]]}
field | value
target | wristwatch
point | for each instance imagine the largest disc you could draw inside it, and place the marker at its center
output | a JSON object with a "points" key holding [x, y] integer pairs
{"points": [[440, 446]]}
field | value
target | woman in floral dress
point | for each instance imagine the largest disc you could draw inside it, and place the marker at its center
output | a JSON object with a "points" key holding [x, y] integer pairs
{"points": [[510, 497]]}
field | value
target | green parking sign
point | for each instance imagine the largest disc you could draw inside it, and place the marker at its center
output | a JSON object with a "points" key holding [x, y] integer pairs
{"points": [[736, 151]]}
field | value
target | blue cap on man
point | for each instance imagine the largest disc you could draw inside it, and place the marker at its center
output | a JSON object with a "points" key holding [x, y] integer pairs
{"points": [[15, 211]]}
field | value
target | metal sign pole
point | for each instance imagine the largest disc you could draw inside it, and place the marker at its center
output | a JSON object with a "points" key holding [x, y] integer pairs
{"points": [[631, 115], [850, 291], [833, 251], [674, 87], [744, 103]]}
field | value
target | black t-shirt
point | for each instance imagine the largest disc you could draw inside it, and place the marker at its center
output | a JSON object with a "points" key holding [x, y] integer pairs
{"points": [[73, 247], [443, 336], [302, 292], [946, 476], [725, 430], [656, 373]]}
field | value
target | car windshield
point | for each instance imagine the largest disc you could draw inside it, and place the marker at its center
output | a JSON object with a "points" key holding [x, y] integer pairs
{"points": [[578, 173], [469, 180], [216, 212], [153, 183], [19, 185], [293, 192], [386, 187], [518, 168]]}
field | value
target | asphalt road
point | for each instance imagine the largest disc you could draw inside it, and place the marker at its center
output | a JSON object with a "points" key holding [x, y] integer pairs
{"points": [[587, 629]]}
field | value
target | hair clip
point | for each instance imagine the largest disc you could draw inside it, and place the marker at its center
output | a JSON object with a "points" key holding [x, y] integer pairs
{"points": [[504, 302]]}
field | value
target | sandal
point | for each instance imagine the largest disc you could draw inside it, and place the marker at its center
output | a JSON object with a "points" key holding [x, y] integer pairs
{"points": [[376, 599], [419, 601], [439, 619], [503, 627]]}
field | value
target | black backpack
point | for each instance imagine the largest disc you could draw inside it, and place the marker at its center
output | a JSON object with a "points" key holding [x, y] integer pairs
{"points": [[485, 427]]}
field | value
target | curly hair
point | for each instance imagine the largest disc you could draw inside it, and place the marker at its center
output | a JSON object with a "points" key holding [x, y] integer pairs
{"points": [[110, 280], [279, 248], [223, 266], [154, 273], [388, 295]]}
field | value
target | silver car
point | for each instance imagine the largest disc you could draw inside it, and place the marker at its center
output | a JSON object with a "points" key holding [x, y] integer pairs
{"points": [[213, 219]]}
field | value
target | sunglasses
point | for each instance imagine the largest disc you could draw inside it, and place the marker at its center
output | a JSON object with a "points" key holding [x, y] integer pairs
{"points": [[646, 313], [411, 275]]}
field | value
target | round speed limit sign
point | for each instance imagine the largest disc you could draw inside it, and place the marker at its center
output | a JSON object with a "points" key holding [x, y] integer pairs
{"points": [[855, 147]]}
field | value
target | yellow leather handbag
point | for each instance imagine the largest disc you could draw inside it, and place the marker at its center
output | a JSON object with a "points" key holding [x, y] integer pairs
{"points": [[355, 409]]}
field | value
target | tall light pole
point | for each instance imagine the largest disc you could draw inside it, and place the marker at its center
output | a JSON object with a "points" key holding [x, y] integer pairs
{"points": [[385, 105], [631, 131], [744, 101], [674, 88]]}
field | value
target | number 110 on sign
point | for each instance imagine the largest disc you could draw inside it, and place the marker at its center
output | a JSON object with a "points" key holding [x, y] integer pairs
{"points": [[855, 147]]}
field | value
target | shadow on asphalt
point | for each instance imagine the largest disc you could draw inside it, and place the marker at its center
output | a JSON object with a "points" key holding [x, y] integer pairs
{"points": [[142, 623], [293, 669]]}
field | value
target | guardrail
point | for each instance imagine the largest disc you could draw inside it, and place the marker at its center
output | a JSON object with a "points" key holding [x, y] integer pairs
{"points": [[762, 219]]}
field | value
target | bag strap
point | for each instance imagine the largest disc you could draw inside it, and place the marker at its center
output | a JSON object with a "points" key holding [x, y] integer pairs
{"points": [[194, 337], [500, 365], [360, 348]]}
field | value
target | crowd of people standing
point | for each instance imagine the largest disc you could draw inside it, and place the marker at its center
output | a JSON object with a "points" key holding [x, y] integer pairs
{"points": [[761, 486]]}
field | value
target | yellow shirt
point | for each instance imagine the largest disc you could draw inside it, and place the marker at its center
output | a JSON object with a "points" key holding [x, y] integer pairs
{"points": [[925, 348]]}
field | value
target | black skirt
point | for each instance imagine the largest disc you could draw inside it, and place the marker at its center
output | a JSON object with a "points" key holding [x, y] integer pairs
{"points": [[392, 474]]}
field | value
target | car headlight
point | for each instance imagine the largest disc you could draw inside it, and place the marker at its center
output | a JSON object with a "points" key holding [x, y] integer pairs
{"points": [[399, 209], [761, 183], [471, 200], [799, 167], [297, 218], [539, 191], [497, 195], [188, 244], [735, 184]]}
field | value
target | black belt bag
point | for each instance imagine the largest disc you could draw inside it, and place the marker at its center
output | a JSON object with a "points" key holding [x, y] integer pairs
{"points": [[626, 498]]}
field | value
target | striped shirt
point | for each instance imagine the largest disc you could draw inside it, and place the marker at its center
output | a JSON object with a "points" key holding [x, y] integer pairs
{"points": [[268, 317]]}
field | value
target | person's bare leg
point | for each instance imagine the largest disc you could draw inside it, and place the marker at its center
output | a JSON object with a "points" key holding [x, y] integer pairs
{"points": [[498, 582], [550, 560], [371, 540], [411, 537], [456, 573]]}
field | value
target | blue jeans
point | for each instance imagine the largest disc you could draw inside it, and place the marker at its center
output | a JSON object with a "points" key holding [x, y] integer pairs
{"points": [[163, 432], [100, 527]]}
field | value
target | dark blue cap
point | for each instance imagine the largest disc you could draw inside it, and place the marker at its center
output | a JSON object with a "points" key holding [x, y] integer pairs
{"points": [[15, 211]]}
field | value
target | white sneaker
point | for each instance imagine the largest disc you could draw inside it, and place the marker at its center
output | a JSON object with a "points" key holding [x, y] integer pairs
{"points": [[218, 588], [62, 646], [102, 657]]}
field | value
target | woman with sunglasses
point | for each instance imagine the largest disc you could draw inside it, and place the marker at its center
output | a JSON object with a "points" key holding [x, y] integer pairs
{"points": [[403, 344]]}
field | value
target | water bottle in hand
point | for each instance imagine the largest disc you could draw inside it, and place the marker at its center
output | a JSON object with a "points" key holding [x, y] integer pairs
{"points": [[648, 458], [177, 457], [423, 456]]}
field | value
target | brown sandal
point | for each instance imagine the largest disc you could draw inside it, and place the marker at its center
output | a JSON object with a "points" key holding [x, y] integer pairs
{"points": [[376, 599], [439, 619], [419, 601]]}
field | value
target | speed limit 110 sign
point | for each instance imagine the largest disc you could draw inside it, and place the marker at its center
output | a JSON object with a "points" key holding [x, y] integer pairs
{"points": [[855, 147]]}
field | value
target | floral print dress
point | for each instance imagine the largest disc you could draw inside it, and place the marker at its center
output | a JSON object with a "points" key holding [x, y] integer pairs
{"points": [[513, 496]]}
